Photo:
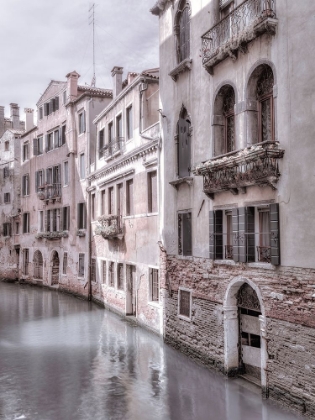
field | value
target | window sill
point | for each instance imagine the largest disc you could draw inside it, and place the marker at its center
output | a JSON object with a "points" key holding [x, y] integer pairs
{"points": [[185, 65], [185, 257], [224, 262], [264, 266], [184, 318], [152, 214]]}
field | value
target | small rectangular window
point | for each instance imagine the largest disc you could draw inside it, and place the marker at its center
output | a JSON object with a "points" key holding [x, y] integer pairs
{"points": [[81, 265], [81, 216], [6, 198], [6, 229], [66, 173], [6, 172], [66, 218], [41, 221], [82, 122], [129, 197], [103, 207], [93, 270], [56, 139], [82, 166], [54, 220], [184, 234], [25, 185], [104, 271], [41, 113], [129, 123], [64, 97], [26, 222], [119, 127], [184, 303], [25, 152], [111, 203], [120, 276], [111, 275], [48, 220], [17, 228], [65, 263], [120, 197], [152, 192], [6, 146], [154, 285], [63, 135]]}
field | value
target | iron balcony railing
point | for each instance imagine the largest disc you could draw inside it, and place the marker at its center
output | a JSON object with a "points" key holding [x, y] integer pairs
{"points": [[255, 165], [112, 148], [49, 191], [228, 252], [264, 253], [109, 227], [237, 29]]}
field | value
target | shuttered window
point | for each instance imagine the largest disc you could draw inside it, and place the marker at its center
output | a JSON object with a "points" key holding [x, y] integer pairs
{"points": [[274, 234], [120, 199], [26, 222], [183, 148], [25, 185], [152, 192], [216, 234], [41, 221], [111, 276], [184, 35], [129, 198], [38, 146], [184, 234], [154, 284], [119, 126], [81, 265], [66, 218], [81, 216], [25, 152], [101, 142]]}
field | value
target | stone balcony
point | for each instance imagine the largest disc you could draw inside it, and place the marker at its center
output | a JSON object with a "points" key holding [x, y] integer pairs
{"points": [[50, 192], [52, 236], [234, 171], [110, 227], [246, 22], [113, 148]]}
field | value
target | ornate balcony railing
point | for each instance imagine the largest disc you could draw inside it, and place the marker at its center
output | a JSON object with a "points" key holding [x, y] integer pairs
{"points": [[247, 21], [228, 252], [255, 165], [110, 227], [112, 148], [264, 253], [49, 191]]}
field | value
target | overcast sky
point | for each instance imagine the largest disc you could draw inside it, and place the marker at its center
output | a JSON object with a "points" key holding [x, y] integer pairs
{"points": [[43, 40]]}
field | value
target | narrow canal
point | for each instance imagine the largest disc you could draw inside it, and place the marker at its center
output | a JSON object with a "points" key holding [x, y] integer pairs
{"points": [[62, 358]]}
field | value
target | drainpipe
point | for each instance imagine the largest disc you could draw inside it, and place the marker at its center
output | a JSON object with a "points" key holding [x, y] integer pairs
{"points": [[88, 204]]}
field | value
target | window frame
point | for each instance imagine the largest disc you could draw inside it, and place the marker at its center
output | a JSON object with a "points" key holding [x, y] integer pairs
{"points": [[182, 238], [81, 213], [81, 268], [153, 204], [81, 122], [129, 122], [26, 222], [130, 210], [154, 289], [6, 198], [120, 273]]}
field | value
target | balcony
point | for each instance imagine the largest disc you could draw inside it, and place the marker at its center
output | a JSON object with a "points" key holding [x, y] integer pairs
{"points": [[49, 192], [234, 171], [113, 148], [246, 22], [110, 227], [52, 235]]}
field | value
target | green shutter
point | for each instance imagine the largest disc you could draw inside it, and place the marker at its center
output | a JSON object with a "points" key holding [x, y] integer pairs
{"points": [[212, 233], [274, 234]]}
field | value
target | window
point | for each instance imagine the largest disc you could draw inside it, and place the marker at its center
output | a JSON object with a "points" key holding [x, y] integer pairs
{"points": [[38, 265], [41, 113], [101, 142], [111, 202], [111, 279], [17, 228], [49, 176], [183, 145], [41, 221], [6, 172], [66, 173], [66, 218], [49, 141], [26, 222], [120, 199], [48, 220], [184, 234], [6, 146], [6, 229], [39, 179], [110, 132], [93, 206], [55, 217], [265, 105], [81, 216], [184, 305], [103, 202], [82, 122], [129, 123], [224, 121], [93, 270], [154, 289], [56, 139], [82, 166], [63, 135], [152, 192], [64, 97], [248, 234], [25, 261], [182, 31], [120, 276], [118, 127], [38, 146], [81, 265], [6, 198], [46, 109], [129, 197], [65, 263], [104, 271], [25, 185]]}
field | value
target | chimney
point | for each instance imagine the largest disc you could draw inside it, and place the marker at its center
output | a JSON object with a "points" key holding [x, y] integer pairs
{"points": [[15, 116], [1, 120], [117, 73], [29, 118], [72, 85]]}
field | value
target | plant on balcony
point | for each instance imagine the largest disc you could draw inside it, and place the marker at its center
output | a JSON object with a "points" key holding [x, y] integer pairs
{"points": [[52, 235], [80, 233], [108, 226]]}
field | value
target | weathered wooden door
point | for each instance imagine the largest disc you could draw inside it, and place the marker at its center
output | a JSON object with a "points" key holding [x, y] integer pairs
{"points": [[55, 269]]}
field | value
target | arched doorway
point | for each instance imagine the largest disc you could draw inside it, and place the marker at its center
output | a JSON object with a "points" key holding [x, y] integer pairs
{"points": [[38, 265], [55, 268], [245, 349]]}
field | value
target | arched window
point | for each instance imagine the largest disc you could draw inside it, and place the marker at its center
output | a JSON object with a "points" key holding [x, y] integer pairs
{"points": [[224, 121], [182, 30], [184, 146], [260, 111], [38, 265]]}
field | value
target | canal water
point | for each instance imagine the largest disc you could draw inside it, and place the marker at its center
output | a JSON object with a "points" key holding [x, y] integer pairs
{"points": [[62, 358]]}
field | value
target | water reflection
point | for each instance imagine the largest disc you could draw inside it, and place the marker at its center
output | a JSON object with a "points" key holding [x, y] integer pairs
{"points": [[62, 358]]}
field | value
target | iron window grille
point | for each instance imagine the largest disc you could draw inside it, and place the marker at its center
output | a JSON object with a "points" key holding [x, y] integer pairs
{"points": [[81, 265], [184, 303], [154, 285]]}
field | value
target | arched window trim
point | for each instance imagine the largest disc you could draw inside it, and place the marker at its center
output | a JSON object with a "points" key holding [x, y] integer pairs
{"points": [[185, 117], [263, 97]]}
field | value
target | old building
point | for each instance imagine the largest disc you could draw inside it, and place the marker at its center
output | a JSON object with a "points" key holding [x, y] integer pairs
{"points": [[53, 228], [123, 204], [236, 93], [11, 130]]}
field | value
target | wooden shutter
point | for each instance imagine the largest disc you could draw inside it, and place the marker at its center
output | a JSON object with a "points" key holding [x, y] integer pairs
{"points": [[242, 234], [187, 237], [274, 234], [46, 110], [46, 143], [212, 234], [35, 147], [56, 103], [218, 238], [36, 180], [235, 234], [250, 233], [60, 136], [183, 148], [83, 121], [51, 106]]}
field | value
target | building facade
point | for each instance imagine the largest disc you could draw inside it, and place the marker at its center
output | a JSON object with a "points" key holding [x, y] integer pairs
{"points": [[237, 198], [123, 207]]}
